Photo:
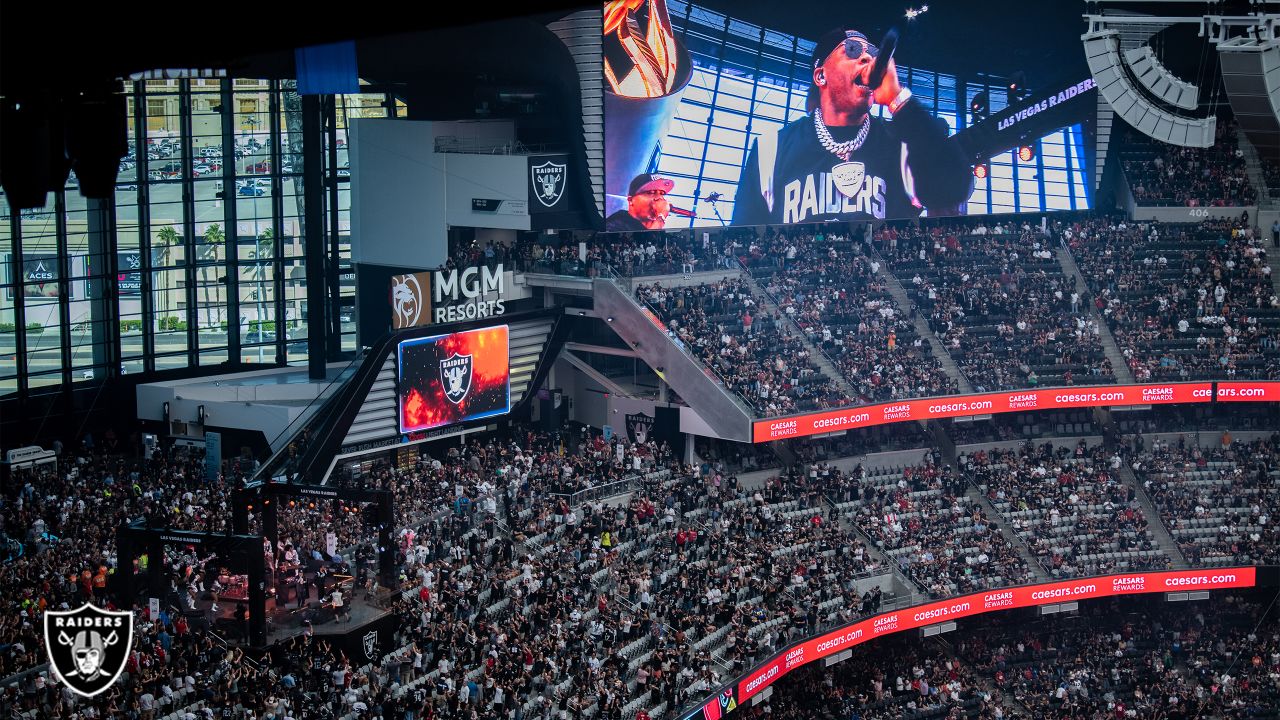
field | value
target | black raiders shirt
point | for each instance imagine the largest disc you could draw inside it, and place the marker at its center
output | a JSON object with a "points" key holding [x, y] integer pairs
{"points": [[904, 166]]}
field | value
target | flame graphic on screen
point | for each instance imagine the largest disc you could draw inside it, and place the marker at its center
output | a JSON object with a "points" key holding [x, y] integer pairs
{"points": [[423, 402], [416, 412]]}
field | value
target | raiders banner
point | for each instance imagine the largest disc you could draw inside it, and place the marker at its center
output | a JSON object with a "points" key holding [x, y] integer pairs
{"points": [[550, 191], [639, 427], [88, 647]]}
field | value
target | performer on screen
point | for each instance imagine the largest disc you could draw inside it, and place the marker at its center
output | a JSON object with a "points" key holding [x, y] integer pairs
{"points": [[841, 162], [647, 205]]}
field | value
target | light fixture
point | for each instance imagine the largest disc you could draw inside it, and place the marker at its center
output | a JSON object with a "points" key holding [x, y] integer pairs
{"points": [[980, 171], [1018, 85], [913, 13], [979, 105], [1026, 153]]}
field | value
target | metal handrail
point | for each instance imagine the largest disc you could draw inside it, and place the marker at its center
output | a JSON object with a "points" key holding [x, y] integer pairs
{"points": [[796, 326], [712, 373], [489, 146], [608, 490], [267, 470]]}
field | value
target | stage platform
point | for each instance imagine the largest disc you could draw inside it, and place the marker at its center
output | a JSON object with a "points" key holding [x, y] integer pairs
{"points": [[364, 634]]}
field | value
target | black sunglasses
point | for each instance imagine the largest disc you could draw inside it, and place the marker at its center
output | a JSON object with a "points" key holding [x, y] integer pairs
{"points": [[853, 47]]}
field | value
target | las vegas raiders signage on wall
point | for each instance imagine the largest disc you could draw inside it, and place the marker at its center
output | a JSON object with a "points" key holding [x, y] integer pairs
{"points": [[547, 181], [551, 186], [446, 296], [88, 647]]}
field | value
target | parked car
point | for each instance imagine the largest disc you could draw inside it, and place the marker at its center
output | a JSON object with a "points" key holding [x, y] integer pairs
{"points": [[251, 191]]}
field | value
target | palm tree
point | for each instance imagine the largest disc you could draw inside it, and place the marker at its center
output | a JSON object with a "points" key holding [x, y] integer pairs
{"points": [[166, 239], [213, 237], [264, 252]]}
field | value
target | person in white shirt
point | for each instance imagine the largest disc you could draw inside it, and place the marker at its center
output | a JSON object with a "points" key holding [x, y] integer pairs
{"points": [[339, 608]]}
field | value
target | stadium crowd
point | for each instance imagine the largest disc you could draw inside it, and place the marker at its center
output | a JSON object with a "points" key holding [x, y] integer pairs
{"points": [[1000, 302], [511, 597], [1219, 502], [1163, 174], [901, 679], [1183, 301], [825, 283], [1068, 507], [757, 355], [1118, 660], [922, 517]]}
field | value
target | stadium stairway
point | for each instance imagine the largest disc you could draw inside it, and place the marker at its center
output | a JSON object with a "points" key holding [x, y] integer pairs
{"points": [[904, 303], [1253, 167], [1273, 259], [1008, 700], [816, 355], [1155, 523], [1118, 365], [872, 550], [950, 457], [727, 413]]}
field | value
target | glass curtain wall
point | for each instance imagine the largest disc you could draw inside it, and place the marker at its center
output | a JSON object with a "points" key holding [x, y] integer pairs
{"points": [[208, 259]]}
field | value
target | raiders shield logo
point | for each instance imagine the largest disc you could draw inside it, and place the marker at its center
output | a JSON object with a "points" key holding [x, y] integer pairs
{"points": [[370, 644], [848, 177], [549, 182], [88, 647], [455, 377], [638, 427]]}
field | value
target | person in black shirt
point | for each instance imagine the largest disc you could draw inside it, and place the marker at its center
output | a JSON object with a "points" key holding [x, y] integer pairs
{"points": [[647, 205], [840, 162]]}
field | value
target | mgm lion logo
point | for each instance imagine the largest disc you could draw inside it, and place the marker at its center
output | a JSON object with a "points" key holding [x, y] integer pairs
{"points": [[408, 300], [455, 377], [88, 647]]}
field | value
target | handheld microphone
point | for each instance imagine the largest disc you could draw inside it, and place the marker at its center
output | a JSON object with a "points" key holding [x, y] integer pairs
{"points": [[887, 46]]}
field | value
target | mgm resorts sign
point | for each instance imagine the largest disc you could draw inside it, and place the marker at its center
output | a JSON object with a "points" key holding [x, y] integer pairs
{"points": [[445, 296]]}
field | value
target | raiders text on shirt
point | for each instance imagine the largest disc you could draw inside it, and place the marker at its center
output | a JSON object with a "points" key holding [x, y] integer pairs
{"points": [[790, 178], [808, 200]]}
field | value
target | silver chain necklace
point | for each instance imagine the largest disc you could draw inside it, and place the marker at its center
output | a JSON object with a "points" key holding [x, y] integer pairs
{"points": [[844, 149]]}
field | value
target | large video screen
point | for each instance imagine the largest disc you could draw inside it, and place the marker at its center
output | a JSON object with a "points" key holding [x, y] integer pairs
{"points": [[711, 121], [446, 379]]}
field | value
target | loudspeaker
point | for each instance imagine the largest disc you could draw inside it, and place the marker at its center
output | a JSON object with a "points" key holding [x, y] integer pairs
{"points": [[32, 160], [1162, 83], [1251, 75], [97, 137], [1118, 88]]}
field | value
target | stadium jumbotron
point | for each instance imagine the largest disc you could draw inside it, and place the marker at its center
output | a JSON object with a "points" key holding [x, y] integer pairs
{"points": [[712, 361]]}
